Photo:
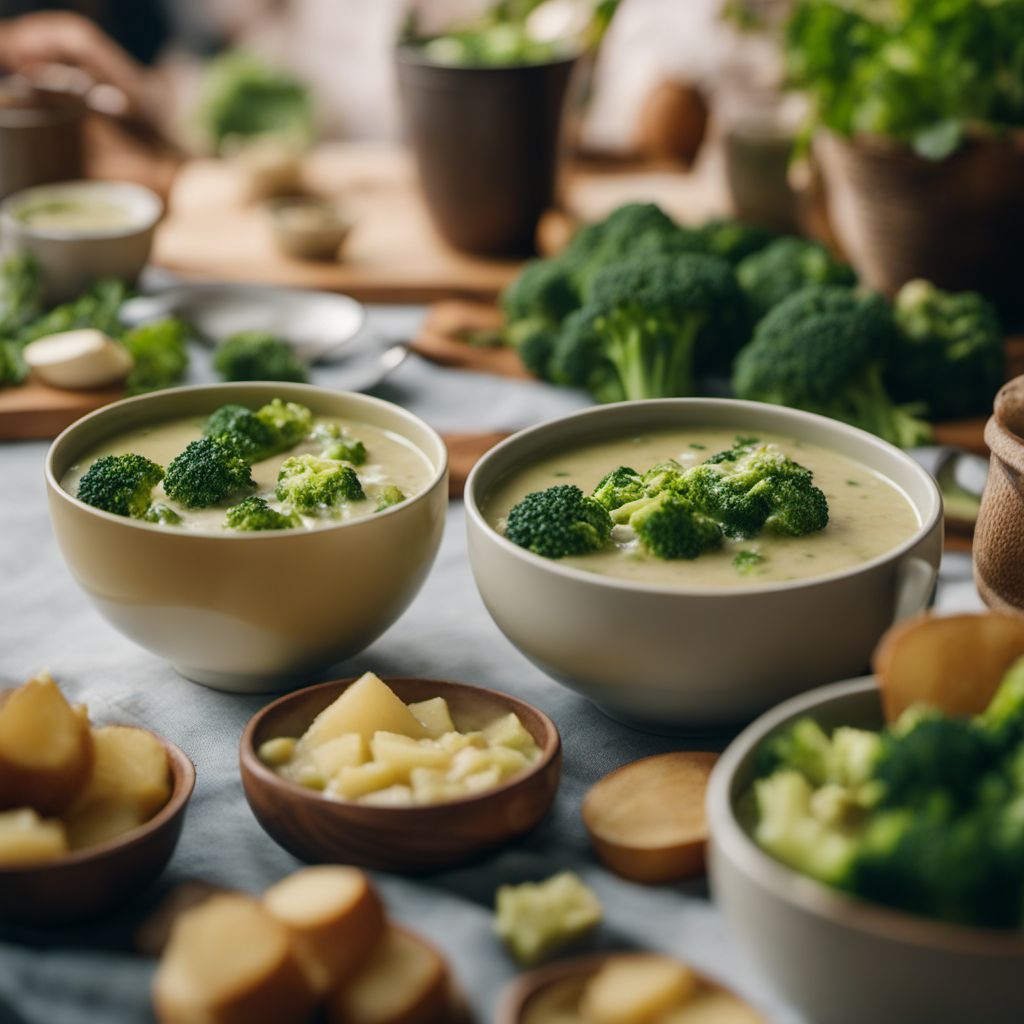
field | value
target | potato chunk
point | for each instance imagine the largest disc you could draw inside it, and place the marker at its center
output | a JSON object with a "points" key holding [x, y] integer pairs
{"points": [[405, 982], [45, 748], [636, 990], [229, 961], [434, 716], [335, 918], [508, 731], [352, 783], [25, 838], [366, 707], [405, 753], [712, 1008]]}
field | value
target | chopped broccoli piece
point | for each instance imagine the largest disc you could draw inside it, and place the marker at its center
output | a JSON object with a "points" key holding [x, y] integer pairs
{"points": [[309, 483], [289, 421], [734, 240], [256, 355], [337, 443], [669, 526], [160, 513], [618, 487], [558, 522], [205, 473], [746, 562], [13, 369], [388, 496], [1003, 719], [824, 350], [159, 353], [534, 305], [803, 747], [20, 293], [240, 428], [950, 356], [255, 513], [785, 266], [120, 484], [99, 307]]}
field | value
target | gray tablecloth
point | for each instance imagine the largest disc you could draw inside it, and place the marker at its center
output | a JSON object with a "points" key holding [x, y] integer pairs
{"points": [[90, 975]]}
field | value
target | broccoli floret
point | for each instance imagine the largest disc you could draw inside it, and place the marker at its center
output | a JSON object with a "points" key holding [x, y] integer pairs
{"points": [[747, 562], [160, 513], [785, 266], [558, 522], [649, 325], [824, 350], [256, 514], [388, 496], [734, 240], [120, 484], [618, 487], [309, 483], [846, 758], [1003, 719], [240, 428], [669, 526], [256, 355], [20, 293], [950, 355], [337, 443], [206, 472], [159, 353], [13, 369], [289, 421], [534, 305]]}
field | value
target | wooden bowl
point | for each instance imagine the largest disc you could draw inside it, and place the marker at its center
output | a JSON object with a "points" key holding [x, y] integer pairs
{"points": [[99, 878], [410, 840], [517, 996]]}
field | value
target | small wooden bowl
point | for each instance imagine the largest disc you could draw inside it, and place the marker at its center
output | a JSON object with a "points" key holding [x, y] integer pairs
{"points": [[518, 994], [409, 840], [99, 878]]}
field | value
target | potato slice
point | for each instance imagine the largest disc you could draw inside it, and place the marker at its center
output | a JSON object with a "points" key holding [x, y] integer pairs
{"points": [[393, 796], [508, 731], [405, 982], [229, 961], [646, 820], [434, 716], [342, 752], [636, 990], [25, 838], [953, 662], [352, 783], [366, 707], [130, 768], [46, 751], [712, 1008], [406, 753], [335, 918]]}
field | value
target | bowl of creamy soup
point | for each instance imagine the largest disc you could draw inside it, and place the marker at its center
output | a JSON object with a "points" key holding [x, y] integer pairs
{"points": [[80, 231], [251, 533], [690, 562]]}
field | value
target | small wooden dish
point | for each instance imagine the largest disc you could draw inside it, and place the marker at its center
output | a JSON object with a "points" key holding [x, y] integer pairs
{"points": [[97, 879], [518, 994], [408, 840]]}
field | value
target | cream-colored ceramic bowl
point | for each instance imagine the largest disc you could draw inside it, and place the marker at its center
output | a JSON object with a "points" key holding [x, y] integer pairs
{"points": [[249, 612], [665, 658], [839, 959], [71, 259]]}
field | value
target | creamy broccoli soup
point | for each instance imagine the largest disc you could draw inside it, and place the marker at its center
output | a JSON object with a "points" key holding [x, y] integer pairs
{"points": [[867, 514], [75, 215], [390, 469]]}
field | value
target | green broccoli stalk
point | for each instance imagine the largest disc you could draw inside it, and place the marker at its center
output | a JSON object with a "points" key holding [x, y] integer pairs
{"points": [[670, 527], [289, 421], [255, 513], [824, 349], [311, 484], [950, 355], [240, 428], [337, 443], [159, 354], [388, 496], [120, 484], [559, 522], [779, 269], [257, 355], [205, 473]]}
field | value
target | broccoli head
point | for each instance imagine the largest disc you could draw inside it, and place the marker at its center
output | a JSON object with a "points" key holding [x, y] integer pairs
{"points": [[734, 240], [309, 483], [257, 355], [205, 473], [786, 265], [618, 487], [161, 513], [159, 354], [388, 496], [120, 484], [950, 354], [669, 526], [337, 443], [255, 513], [824, 349], [558, 522], [534, 305], [289, 421], [240, 428]]}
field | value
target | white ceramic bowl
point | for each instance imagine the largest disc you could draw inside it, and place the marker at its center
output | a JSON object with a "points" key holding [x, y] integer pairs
{"points": [[666, 658], [71, 259], [249, 612], [842, 960]]}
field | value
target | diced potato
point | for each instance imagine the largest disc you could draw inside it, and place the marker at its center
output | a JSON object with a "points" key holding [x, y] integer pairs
{"points": [[480, 782], [393, 796], [468, 762], [405, 753], [342, 752], [366, 707], [509, 761], [303, 773], [432, 786], [277, 752], [25, 838], [335, 918], [434, 716], [46, 751], [712, 1008], [636, 990], [453, 742], [352, 783], [536, 918], [229, 961], [508, 731], [130, 768], [405, 982], [95, 823]]}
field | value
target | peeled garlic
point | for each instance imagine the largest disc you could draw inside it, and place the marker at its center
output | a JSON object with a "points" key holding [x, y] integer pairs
{"points": [[78, 360]]}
